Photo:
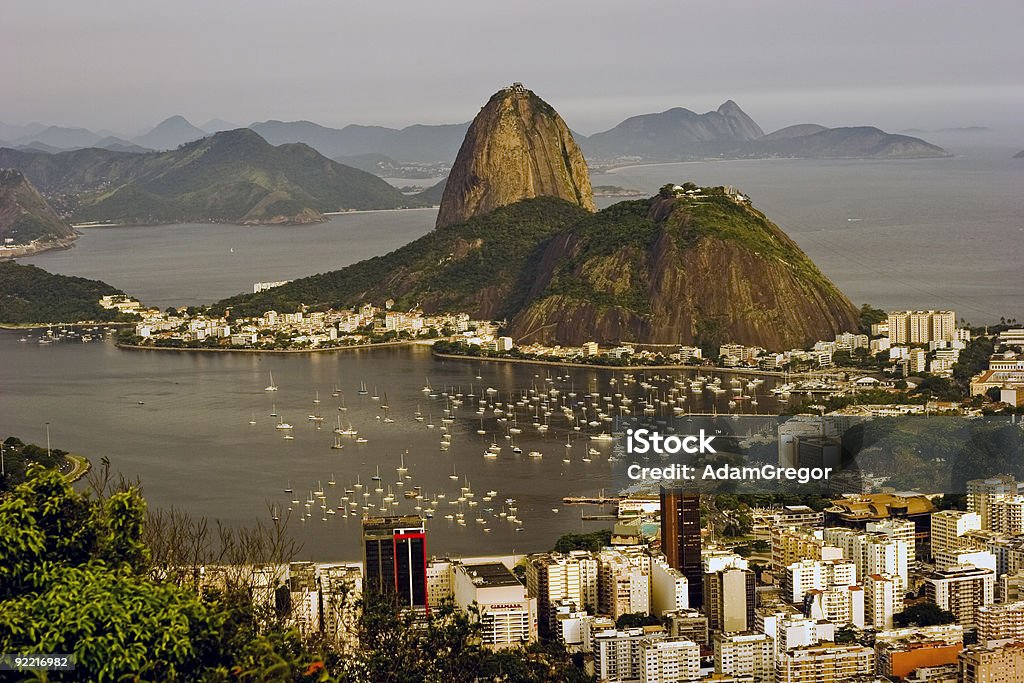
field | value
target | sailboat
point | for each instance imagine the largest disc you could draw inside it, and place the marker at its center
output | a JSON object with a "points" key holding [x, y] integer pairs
{"points": [[271, 386], [453, 476], [281, 424], [402, 469], [337, 445], [252, 420], [273, 410], [362, 389]]}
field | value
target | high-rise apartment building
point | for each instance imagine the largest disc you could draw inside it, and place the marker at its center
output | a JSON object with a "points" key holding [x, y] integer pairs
{"points": [[729, 600], [961, 590]]}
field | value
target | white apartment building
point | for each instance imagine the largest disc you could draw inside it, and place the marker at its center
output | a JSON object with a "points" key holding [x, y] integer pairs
{"points": [[745, 654], [669, 588], [883, 597], [617, 653], [807, 575], [949, 527], [669, 660], [873, 553], [996, 622]]}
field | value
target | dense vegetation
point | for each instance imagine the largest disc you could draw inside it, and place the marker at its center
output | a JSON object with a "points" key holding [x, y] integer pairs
{"points": [[446, 269], [233, 176], [18, 456], [88, 574], [595, 540], [31, 295]]}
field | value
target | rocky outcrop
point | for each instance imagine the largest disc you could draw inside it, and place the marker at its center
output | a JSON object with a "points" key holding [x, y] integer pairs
{"points": [[517, 147], [702, 271]]}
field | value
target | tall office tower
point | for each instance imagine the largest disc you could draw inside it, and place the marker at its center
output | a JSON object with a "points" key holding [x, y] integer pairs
{"points": [[680, 538], [395, 558]]}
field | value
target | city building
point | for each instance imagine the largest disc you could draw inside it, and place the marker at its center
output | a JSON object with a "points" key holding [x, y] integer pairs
{"points": [[395, 558], [806, 575], [921, 327], [729, 596], [623, 582], [983, 494], [617, 653], [555, 578], [902, 651], [961, 590], [996, 622], [745, 654], [670, 590], [949, 528], [824, 663], [669, 660], [883, 597], [842, 605], [1003, 663], [508, 616], [688, 624], [681, 538], [793, 544], [341, 592]]}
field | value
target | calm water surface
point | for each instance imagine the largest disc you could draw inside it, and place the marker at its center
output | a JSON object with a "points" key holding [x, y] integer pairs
{"points": [[942, 233]]}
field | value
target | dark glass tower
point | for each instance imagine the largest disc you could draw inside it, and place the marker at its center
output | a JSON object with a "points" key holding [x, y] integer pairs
{"points": [[395, 558], [680, 538]]}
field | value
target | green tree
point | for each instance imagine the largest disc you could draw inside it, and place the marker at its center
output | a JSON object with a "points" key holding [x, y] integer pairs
{"points": [[923, 614]]}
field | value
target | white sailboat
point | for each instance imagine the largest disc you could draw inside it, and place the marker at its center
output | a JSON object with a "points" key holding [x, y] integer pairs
{"points": [[271, 386]]}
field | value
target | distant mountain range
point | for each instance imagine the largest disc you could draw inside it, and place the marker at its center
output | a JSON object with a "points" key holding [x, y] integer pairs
{"points": [[673, 135], [232, 176], [1019, 155]]}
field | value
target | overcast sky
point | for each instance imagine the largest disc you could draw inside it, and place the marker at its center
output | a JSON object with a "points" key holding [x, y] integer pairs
{"points": [[126, 64]]}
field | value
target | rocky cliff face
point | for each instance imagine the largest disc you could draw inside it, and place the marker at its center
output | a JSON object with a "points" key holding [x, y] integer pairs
{"points": [[517, 148], [24, 214], [703, 270]]}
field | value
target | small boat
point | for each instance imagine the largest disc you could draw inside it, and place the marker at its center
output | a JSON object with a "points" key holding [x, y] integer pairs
{"points": [[289, 489], [271, 386], [362, 389], [453, 476], [536, 454], [281, 424], [337, 445], [252, 420]]}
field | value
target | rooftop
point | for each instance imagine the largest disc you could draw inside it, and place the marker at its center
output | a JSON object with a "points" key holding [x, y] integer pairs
{"points": [[491, 575]]}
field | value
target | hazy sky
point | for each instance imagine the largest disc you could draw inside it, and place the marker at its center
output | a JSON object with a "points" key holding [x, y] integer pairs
{"points": [[126, 64]]}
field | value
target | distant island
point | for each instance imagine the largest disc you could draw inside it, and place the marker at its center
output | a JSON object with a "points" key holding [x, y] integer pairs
{"points": [[616, 191], [1019, 155]]}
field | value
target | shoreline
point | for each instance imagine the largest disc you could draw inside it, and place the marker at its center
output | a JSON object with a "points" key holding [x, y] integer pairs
{"points": [[89, 226], [81, 467], [27, 251], [353, 347], [43, 326], [627, 368]]}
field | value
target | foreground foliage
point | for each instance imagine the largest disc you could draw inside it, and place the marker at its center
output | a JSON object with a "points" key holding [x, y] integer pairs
{"points": [[78, 576]]}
